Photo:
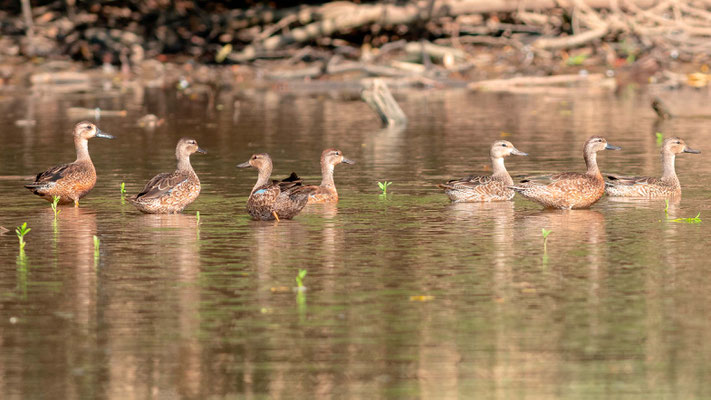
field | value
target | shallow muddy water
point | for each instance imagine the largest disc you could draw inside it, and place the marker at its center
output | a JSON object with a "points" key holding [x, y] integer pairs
{"points": [[408, 296]]}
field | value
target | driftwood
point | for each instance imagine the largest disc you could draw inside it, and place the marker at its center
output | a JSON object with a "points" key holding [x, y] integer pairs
{"points": [[557, 81], [377, 95]]}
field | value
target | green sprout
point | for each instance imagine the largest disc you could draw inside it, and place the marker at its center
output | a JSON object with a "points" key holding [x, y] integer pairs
{"points": [[55, 201], [97, 243], [660, 138], [384, 186], [197, 216], [666, 208], [694, 220], [545, 232], [300, 280], [123, 188], [21, 231]]}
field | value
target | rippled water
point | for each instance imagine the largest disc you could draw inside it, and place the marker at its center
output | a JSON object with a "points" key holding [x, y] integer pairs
{"points": [[408, 296]]}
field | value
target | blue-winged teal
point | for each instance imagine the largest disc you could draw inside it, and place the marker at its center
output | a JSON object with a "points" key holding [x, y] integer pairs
{"points": [[647, 187], [170, 193], [569, 190], [274, 200], [326, 192], [71, 181], [485, 188]]}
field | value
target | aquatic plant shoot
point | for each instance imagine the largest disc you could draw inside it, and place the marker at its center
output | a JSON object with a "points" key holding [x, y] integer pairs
{"points": [[21, 231], [55, 201], [123, 188], [384, 186], [300, 280]]}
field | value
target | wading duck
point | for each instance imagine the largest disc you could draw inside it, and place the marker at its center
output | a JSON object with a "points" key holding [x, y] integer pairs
{"points": [[485, 188], [647, 187], [71, 182], [569, 190], [171, 192], [326, 192], [274, 200]]}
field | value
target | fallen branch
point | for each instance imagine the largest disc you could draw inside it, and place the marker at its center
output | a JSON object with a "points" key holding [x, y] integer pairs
{"points": [[378, 97], [591, 80]]}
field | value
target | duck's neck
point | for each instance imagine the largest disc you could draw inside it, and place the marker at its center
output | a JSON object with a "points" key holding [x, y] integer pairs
{"points": [[500, 172], [184, 163], [591, 163], [82, 147], [264, 173], [669, 172], [327, 175]]}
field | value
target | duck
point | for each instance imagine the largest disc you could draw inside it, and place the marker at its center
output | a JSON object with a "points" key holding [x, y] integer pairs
{"points": [[326, 191], [648, 187], [569, 190], [171, 192], [70, 182], [272, 200], [481, 188]]}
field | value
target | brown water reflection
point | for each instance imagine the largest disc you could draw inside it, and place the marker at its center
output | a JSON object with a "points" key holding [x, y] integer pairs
{"points": [[408, 296]]}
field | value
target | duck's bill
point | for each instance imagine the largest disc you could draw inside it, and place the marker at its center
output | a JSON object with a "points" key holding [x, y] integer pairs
{"points": [[347, 161], [611, 147], [244, 165], [201, 150], [692, 151], [103, 135], [518, 152]]}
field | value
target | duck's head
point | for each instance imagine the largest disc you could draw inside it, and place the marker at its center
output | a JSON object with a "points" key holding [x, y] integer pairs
{"points": [[258, 161], [677, 145], [334, 157], [598, 143], [86, 130], [504, 148], [186, 147]]}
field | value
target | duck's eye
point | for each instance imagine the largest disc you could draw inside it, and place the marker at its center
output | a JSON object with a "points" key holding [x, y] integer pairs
{"points": [[337, 153], [503, 145], [254, 157]]}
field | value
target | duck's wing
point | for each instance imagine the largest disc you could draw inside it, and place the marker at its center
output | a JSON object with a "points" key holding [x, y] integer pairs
{"points": [[544, 180], [467, 183], [162, 184], [617, 180], [52, 175]]}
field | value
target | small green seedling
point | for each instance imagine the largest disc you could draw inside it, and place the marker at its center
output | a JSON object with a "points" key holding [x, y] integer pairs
{"points": [[694, 220], [21, 231], [97, 243], [384, 186], [300, 280], [197, 216], [55, 201], [123, 188], [545, 232], [666, 208], [660, 138]]}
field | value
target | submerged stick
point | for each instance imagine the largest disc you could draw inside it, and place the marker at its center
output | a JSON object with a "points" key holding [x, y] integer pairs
{"points": [[378, 97]]}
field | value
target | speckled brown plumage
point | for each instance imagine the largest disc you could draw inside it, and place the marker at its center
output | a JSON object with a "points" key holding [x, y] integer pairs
{"points": [[170, 193], [569, 190], [270, 200], [71, 181], [648, 187], [485, 188], [326, 191]]}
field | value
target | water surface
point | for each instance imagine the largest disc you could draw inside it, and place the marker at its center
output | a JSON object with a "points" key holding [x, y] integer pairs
{"points": [[408, 296]]}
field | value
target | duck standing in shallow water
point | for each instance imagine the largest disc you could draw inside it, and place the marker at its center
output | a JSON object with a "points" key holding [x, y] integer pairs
{"points": [[326, 192], [170, 193], [71, 182], [485, 188], [646, 187], [570, 190], [274, 200]]}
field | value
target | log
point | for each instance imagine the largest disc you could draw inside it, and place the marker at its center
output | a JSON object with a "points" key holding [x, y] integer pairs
{"points": [[343, 16], [573, 80], [377, 95]]}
